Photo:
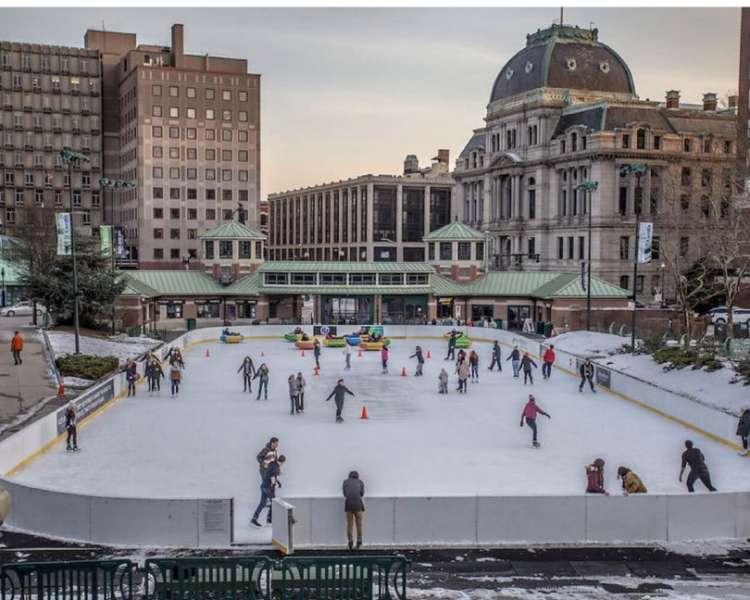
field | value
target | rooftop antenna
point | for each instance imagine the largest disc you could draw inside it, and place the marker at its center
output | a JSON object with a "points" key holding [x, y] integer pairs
{"points": [[561, 16]]}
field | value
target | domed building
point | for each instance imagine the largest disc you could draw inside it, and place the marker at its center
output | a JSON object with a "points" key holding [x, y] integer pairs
{"points": [[562, 111]]}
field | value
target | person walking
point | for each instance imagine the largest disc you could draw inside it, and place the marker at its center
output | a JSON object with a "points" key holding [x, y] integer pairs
{"points": [[16, 347], [301, 384], [451, 347], [175, 377], [443, 381], [548, 361], [527, 364], [268, 487], [354, 507], [131, 375], [587, 374], [496, 357], [384, 354], [292, 380], [743, 430], [515, 360], [338, 394], [348, 357], [595, 478], [420, 361], [316, 352], [474, 366], [268, 454], [463, 376], [247, 368], [529, 414], [262, 376], [71, 427], [631, 483], [698, 470], [155, 374]]}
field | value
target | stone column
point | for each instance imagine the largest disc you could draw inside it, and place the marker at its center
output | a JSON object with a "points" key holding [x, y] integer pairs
{"points": [[370, 221], [399, 221], [427, 210]]}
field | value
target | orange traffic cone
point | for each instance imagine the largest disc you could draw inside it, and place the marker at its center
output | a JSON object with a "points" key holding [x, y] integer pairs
{"points": [[364, 412], [403, 371], [359, 353], [316, 371], [302, 354], [208, 353], [429, 354], [61, 390]]}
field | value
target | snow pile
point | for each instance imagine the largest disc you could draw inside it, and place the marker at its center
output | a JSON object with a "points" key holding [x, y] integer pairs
{"points": [[589, 342], [120, 347], [77, 383]]}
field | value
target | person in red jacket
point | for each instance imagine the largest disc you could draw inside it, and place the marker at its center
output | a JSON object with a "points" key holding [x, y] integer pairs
{"points": [[529, 414], [549, 359], [595, 478], [16, 346]]}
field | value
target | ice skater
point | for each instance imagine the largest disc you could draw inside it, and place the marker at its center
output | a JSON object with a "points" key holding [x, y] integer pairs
{"points": [[515, 360], [354, 507], [474, 366], [548, 361], [443, 381], [496, 357], [463, 376], [587, 374], [527, 364], [175, 377], [131, 375], [293, 390], [698, 469], [595, 478], [384, 355], [268, 454], [743, 429], [420, 361], [154, 374], [262, 376], [301, 384], [268, 490], [316, 352], [247, 368], [338, 394], [631, 483], [451, 347], [71, 427], [529, 414], [348, 357]]}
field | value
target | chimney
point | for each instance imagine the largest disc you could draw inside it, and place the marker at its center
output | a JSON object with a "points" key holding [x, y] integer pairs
{"points": [[673, 99], [733, 101], [178, 47], [443, 156], [709, 101], [411, 164]]}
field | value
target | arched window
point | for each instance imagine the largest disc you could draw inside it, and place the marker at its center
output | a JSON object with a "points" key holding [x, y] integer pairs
{"points": [[640, 139], [573, 142]]}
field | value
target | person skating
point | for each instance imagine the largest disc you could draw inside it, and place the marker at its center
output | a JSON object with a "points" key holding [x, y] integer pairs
{"points": [[301, 384], [515, 360], [175, 377], [461, 357], [131, 375], [463, 376], [268, 454], [496, 357], [155, 374], [175, 355], [587, 374], [451, 347], [474, 365], [353, 489], [292, 380], [384, 355], [262, 376], [420, 360], [443, 381], [527, 364], [631, 483], [743, 429], [316, 353], [247, 368], [549, 360], [16, 347], [71, 427], [338, 394], [698, 470], [268, 487], [348, 357], [595, 478], [529, 414]]}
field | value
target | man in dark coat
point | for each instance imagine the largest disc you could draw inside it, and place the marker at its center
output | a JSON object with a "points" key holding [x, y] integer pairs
{"points": [[526, 365], [268, 489], [698, 469], [451, 347], [743, 429], [338, 395], [587, 374], [316, 352], [267, 455], [496, 355], [354, 491]]}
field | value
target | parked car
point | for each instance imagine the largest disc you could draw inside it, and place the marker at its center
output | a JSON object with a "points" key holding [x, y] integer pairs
{"points": [[720, 315], [21, 309]]}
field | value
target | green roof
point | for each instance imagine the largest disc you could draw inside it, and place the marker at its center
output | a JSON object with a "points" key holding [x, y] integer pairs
{"points": [[173, 283], [454, 231], [444, 286], [568, 285], [509, 283], [234, 231], [246, 286], [305, 266]]}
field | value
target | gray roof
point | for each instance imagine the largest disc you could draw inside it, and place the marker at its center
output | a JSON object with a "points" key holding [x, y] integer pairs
{"points": [[476, 142], [618, 117], [591, 118]]}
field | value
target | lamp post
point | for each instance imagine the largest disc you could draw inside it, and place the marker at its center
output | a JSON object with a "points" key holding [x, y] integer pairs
{"points": [[636, 169], [587, 187], [2, 274], [74, 158]]}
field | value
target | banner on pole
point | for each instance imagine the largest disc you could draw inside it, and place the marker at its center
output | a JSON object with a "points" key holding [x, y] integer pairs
{"points": [[645, 240], [64, 238], [120, 250], [105, 239]]}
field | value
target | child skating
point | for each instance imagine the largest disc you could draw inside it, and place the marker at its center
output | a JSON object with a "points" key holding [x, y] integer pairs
{"points": [[529, 414]]}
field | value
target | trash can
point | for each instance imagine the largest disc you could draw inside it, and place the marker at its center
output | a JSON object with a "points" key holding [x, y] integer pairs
{"points": [[540, 327], [191, 324], [499, 323], [547, 329]]}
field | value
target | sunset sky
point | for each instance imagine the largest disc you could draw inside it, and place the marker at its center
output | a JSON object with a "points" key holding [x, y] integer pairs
{"points": [[347, 92]]}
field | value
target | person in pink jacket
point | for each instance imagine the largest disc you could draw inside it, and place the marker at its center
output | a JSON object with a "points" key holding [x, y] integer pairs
{"points": [[549, 359], [529, 414], [384, 358]]}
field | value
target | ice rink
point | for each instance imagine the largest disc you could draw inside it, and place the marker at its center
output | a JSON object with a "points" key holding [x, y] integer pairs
{"points": [[415, 442]]}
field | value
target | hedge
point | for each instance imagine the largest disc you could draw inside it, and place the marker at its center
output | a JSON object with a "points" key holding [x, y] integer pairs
{"points": [[86, 366]]}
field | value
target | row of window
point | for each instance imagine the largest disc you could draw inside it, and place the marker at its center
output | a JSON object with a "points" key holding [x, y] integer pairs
{"points": [[373, 279], [175, 193], [192, 154], [46, 85], [11, 216], [45, 197], [444, 250], [49, 62], [191, 113], [191, 133], [174, 253], [191, 173], [191, 214], [173, 91], [46, 180], [30, 142], [226, 247]]}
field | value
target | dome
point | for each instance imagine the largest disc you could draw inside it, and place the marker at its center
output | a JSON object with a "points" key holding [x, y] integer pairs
{"points": [[564, 57]]}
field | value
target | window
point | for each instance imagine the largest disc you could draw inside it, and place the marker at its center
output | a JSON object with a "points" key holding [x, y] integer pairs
{"points": [[210, 214], [210, 94], [174, 172], [174, 213], [190, 92], [242, 175], [157, 152], [174, 234], [174, 152], [156, 90], [225, 249], [391, 279], [210, 135], [174, 91], [159, 253], [192, 154], [226, 135], [706, 178], [242, 116], [464, 251], [626, 141], [574, 142], [210, 114], [657, 142], [571, 247], [446, 251], [562, 146], [226, 214], [226, 175], [655, 247], [532, 203], [192, 213], [640, 139], [243, 96], [158, 233], [623, 202], [727, 147], [531, 245], [625, 282], [226, 95], [174, 112], [174, 133], [226, 195], [707, 145], [705, 207], [210, 174], [242, 135], [226, 155], [191, 173], [686, 176], [158, 213], [158, 193], [687, 145], [241, 155], [174, 193], [192, 234], [431, 252], [581, 246], [624, 247], [684, 246], [156, 131], [157, 172]]}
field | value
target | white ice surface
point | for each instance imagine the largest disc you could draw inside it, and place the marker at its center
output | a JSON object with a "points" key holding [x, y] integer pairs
{"points": [[121, 347], [416, 442]]}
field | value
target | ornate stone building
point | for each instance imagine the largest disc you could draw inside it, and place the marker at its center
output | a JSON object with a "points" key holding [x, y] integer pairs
{"points": [[564, 110]]}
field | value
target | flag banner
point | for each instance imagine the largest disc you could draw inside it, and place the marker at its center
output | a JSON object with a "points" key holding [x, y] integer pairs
{"points": [[120, 250], [64, 238], [645, 239], [105, 239]]}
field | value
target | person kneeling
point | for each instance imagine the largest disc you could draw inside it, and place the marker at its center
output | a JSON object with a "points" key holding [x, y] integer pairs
{"points": [[631, 483]]}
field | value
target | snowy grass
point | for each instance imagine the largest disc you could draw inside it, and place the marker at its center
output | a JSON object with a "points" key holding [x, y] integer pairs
{"points": [[121, 347]]}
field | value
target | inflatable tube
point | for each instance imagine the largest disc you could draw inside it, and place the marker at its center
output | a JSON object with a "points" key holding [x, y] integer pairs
{"points": [[334, 342], [463, 342], [231, 339], [305, 344], [447, 335], [352, 340], [371, 345], [292, 337]]}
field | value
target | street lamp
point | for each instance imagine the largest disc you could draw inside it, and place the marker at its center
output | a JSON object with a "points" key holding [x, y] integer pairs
{"points": [[587, 187], [636, 169], [74, 158], [2, 274]]}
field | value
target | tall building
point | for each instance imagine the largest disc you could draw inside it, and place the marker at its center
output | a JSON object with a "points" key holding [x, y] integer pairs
{"points": [[51, 99], [564, 110], [185, 129], [743, 100], [368, 218]]}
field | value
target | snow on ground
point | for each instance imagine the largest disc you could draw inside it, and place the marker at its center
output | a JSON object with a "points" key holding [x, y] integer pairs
{"points": [[77, 383], [121, 347], [588, 342], [416, 442]]}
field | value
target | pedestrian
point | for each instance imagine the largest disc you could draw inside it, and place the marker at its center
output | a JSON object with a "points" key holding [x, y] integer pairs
{"points": [[527, 365], [698, 470], [595, 478], [743, 429], [175, 377], [529, 414], [262, 376], [515, 360], [461, 357], [268, 454], [301, 384], [549, 360], [420, 361], [631, 483], [463, 376], [384, 354], [587, 374], [268, 487], [292, 380], [155, 374], [247, 368], [338, 395], [16, 347], [71, 426], [443, 381], [316, 352], [496, 356], [451, 347], [474, 365], [354, 507], [131, 375], [348, 357]]}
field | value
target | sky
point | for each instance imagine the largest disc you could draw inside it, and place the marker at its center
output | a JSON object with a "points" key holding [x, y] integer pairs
{"points": [[346, 92]]}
